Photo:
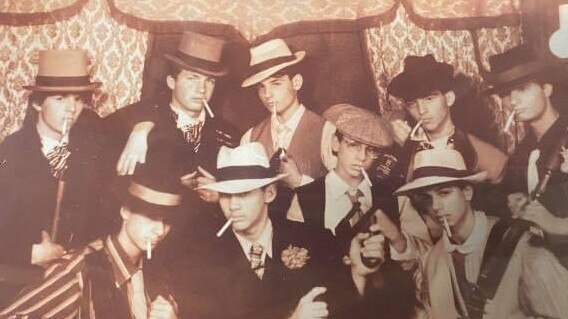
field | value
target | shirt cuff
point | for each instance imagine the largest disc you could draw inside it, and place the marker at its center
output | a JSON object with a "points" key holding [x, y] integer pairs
{"points": [[406, 254]]}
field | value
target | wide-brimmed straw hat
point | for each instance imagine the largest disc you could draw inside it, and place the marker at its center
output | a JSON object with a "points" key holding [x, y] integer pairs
{"points": [[268, 58], [243, 169], [63, 71], [360, 125], [199, 53], [517, 66], [421, 76], [439, 166]]}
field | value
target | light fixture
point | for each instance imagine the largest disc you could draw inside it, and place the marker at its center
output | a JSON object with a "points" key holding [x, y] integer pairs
{"points": [[558, 42]]}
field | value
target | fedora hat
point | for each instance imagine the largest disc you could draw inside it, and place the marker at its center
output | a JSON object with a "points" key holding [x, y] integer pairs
{"points": [[517, 66], [63, 71], [360, 125], [155, 188], [242, 169], [268, 58], [199, 53], [439, 166], [421, 76]]}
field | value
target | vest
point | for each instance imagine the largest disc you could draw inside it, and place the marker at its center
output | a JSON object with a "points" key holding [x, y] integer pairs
{"points": [[305, 146]]}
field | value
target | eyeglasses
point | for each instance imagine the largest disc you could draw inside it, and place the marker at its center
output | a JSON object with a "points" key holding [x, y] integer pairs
{"points": [[355, 146]]}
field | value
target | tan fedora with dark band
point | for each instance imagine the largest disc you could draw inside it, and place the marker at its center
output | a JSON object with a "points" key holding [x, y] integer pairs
{"points": [[268, 58], [199, 53], [63, 71]]}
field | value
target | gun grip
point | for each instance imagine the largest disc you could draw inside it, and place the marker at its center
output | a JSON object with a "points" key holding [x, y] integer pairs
{"points": [[371, 262]]}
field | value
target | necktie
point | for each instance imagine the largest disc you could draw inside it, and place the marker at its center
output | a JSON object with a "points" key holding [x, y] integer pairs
{"points": [[343, 229], [281, 136], [532, 170], [57, 159], [256, 259], [138, 303], [192, 135]]}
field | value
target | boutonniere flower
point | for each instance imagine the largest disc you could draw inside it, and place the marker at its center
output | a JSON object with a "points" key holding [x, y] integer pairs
{"points": [[564, 166], [294, 257]]}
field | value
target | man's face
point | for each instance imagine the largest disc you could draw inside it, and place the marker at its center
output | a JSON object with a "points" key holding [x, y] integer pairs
{"points": [[433, 110], [281, 93], [352, 157], [529, 101], [140, 229], [59, 112], [248, 210], [446, 201], [190, 89]]}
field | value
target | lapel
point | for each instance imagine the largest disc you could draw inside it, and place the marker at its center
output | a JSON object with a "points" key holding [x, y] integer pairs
{"points": [[312, 202]]}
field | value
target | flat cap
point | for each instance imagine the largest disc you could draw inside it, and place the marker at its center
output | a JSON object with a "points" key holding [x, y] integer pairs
{"points": [[360, 124]]}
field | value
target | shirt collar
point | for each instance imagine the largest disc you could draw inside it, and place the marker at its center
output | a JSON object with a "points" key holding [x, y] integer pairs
{"points": [[293, 122], [475, 240], [337, 187], [265, 239], [123, 268], [49, 143], [182, 119]]}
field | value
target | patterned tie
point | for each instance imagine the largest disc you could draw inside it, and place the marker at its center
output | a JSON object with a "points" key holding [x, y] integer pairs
{"points": [[343, 229], [192, 135], [532, 170], [138, 303], [281, 136], [256, 259], [57, 159]]}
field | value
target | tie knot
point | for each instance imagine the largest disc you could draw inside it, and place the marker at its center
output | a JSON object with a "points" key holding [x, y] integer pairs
{"points": [[354, 196], [256, 250]]}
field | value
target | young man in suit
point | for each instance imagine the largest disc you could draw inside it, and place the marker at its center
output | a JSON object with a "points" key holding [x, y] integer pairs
{"points": [[108, 278], [266, 268], [527, 85], [477, 269], [182, 125], [51, 171], [338, 200]]}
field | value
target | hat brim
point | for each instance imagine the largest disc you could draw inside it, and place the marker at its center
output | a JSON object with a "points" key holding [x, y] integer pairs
{"points": [[237, 186], [139, 206], [80, 88], [187, 66], [437, 180], [265, 74]]}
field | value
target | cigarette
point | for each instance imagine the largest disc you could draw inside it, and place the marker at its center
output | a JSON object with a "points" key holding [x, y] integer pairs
{"points": [[415, 128], [148, 249], [64, 128], [208, 108], [447, 227], [366, 177], [509, 122], [224, 228]]}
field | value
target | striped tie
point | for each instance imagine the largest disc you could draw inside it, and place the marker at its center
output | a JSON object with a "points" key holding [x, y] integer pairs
{"points": [[256, 259], [192, 135], [57, 159]]}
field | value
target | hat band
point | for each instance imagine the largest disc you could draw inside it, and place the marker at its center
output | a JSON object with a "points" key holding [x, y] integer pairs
{"points": [[264, 65], [244, 172], [42, 80], [153, 197], [429, 171], [200, 63], [517, 72]]}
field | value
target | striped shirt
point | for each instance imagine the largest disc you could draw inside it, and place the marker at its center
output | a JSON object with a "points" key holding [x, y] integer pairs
{"points": [[61, 294]]}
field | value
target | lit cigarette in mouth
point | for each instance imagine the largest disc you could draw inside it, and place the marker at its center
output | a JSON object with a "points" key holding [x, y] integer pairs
{"points": [[509, 122], [415, 128], [65, 128], [224, 228], [148, 249], [366, 176], [447, 227], [208, 108]]}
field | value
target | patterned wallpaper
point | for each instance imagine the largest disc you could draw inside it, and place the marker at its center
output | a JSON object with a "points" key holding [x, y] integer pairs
{"points": [[118, 51], [117, 55]]}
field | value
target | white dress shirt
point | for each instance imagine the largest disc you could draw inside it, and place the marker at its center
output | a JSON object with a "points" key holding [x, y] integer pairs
{"points": [[183, 119], [265, 240]]}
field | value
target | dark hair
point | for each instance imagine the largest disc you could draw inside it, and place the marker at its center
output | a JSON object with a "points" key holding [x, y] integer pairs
{"points": [[38, 97], [422, 202], [174, 70]]}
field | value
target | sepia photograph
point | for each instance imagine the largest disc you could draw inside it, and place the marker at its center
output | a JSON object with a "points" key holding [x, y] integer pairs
{"points": [[272, 159]]}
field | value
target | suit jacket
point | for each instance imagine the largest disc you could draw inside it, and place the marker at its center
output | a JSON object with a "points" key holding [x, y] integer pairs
{"points": [[392, 293], [226, 287], [28, 191]]}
